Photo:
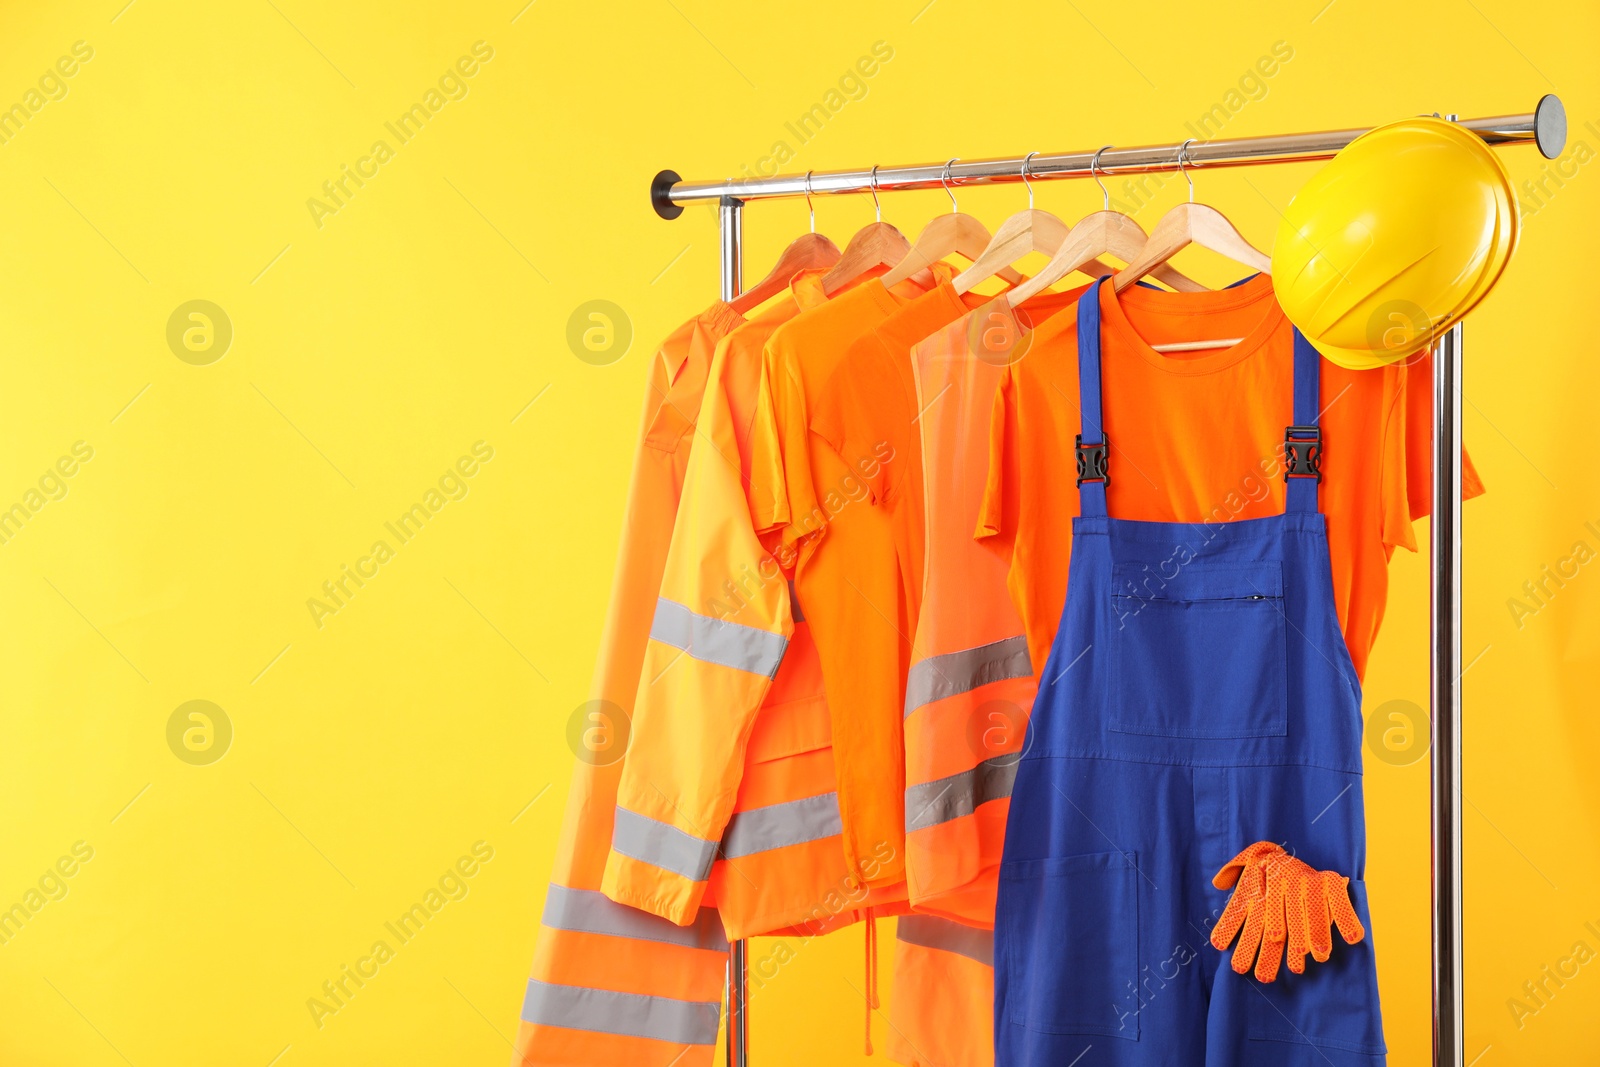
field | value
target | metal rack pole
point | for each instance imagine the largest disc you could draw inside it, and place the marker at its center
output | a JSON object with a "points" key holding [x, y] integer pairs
{"points": [[1449, 1004], [1545, 127], [730, 221]]}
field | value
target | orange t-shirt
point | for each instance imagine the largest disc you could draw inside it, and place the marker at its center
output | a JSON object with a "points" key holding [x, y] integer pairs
{"points": [[867, 413], [1198, 437], [870, 414], [818, 514]]}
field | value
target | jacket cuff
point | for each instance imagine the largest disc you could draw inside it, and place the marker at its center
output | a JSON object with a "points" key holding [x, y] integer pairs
{"points": [[656, 867]]}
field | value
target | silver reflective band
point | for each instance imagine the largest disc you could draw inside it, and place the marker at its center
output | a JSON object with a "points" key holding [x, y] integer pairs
{"points": [[777, 825], [586, 911], [687, 1022], [727, 644], [932, 803], [946, 675], [946, 936], [662, 846]]}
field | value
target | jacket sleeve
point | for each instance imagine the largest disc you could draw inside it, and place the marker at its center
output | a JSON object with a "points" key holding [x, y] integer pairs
{"points": [[721, 627]]}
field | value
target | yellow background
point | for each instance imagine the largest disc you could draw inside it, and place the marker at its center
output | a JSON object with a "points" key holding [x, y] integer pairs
{"points": [[369, 354]]}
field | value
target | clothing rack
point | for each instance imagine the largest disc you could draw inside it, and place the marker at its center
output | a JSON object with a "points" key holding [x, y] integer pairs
{"points": [[1545, 127]]}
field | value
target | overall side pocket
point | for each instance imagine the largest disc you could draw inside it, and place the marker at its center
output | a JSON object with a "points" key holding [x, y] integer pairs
{"points": [[1072, 925], [1334, 1005]]}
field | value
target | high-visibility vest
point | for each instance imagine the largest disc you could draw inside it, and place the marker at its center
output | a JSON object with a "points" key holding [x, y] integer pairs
{"points": [[971, 682], [968, 693], [942, 1010]]}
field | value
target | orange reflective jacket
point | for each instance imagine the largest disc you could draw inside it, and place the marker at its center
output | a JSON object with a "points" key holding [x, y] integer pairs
{"points": [[611, 984], [728, 790]]}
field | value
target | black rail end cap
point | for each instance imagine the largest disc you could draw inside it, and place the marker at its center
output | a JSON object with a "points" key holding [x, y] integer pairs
{"points": [[661, 194]]}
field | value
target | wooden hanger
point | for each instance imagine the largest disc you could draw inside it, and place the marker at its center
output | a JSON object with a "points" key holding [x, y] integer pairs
{"points": [[1184, 225], [809, 250], [1189, 224], [951, 233], [1026, 231], [1103, 232], [876, 244]]}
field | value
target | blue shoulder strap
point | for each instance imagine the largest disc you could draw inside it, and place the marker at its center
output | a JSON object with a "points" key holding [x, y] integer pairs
{"points": [[1302, 440], [1092, 448]]}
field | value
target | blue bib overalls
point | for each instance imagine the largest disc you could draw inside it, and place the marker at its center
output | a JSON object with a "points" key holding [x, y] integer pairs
{"points": [[1199, 697]]}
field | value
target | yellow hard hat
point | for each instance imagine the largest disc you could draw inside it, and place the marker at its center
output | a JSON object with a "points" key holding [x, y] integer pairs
{"points": [[1399, 331], [1391, 243]]}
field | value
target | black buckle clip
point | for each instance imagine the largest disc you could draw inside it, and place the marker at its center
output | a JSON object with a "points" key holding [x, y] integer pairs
{"points": [[1093, 460], [1302, 452]]}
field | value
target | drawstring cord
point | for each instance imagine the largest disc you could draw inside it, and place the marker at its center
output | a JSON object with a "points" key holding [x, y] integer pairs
{"points": [[871, 976]]}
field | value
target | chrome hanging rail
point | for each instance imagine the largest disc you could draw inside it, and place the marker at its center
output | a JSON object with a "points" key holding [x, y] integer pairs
{"points": [[1546, 128]]}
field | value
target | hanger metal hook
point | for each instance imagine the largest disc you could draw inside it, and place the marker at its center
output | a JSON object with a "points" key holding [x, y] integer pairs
{"points": [[1094, 172], [1183, 157], [876, 207], [944, 180], [809, 206], [1026, 162]]}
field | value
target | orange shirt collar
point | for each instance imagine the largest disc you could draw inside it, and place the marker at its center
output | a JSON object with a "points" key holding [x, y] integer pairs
{"points": [[718, 319], [806, 286], [1251, 304]]}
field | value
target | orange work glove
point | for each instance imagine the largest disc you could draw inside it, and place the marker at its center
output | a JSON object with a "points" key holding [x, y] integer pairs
{"points": [[1281, 901], [1247, 908]]}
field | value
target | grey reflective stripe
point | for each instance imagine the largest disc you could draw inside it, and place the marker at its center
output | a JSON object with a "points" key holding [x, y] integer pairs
{"points": [[687, 1022], [727, 644], [794, 604], [777, 825], [946, 936], [662, 846], [589, 912], [946, 675], [932, 803]]}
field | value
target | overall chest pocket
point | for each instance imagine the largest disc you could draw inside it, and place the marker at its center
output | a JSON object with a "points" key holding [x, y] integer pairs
{"points": [[1199, 654]]}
